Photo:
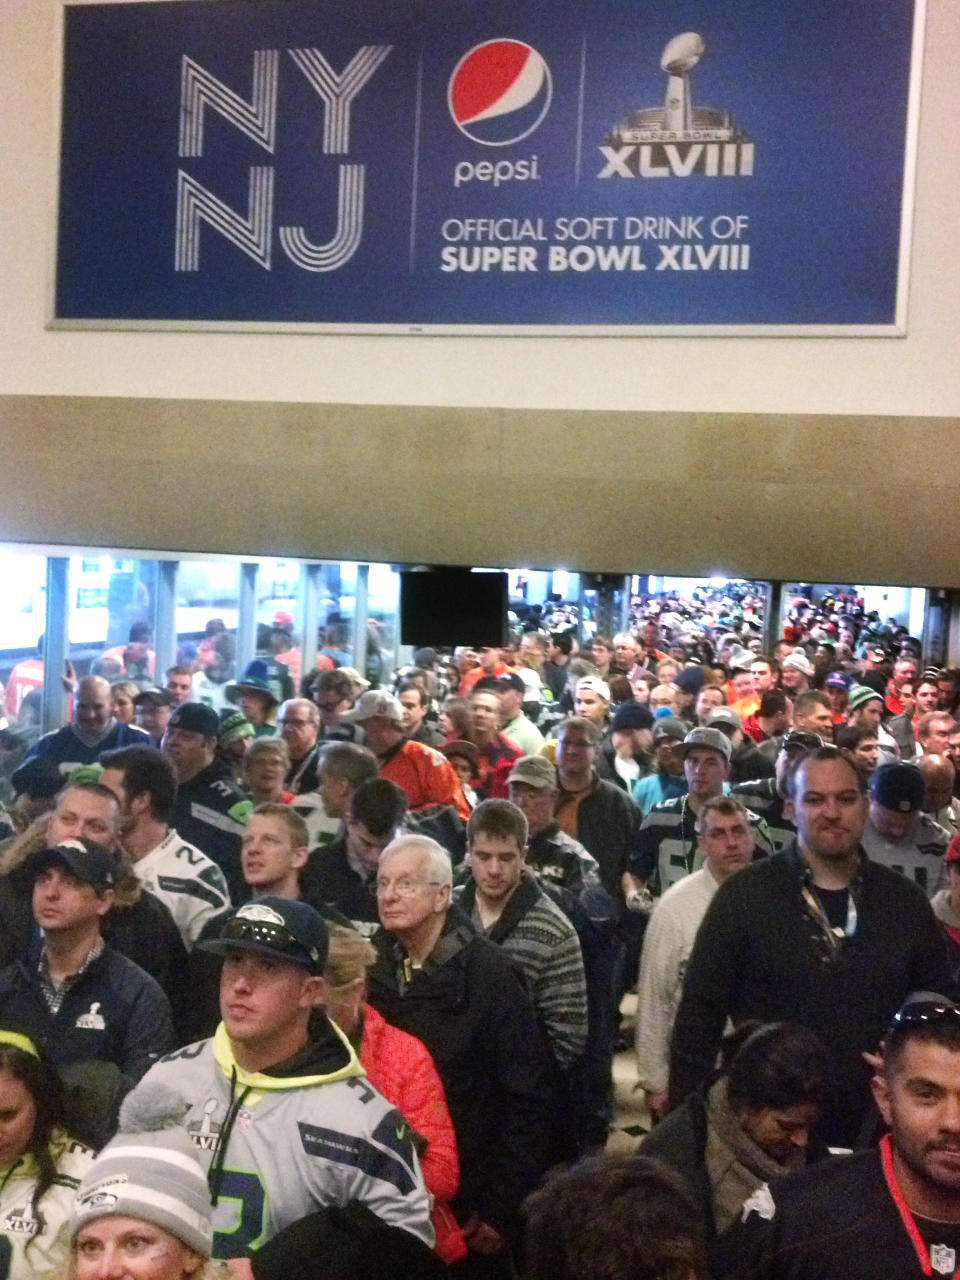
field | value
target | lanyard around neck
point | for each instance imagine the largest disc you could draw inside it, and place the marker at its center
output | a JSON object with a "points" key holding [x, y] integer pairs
{"points": [[906, 1217]]}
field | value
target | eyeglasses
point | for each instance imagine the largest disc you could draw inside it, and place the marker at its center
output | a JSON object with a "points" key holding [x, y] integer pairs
{"points": [[404, 887], [295, 724], [274, 937]]}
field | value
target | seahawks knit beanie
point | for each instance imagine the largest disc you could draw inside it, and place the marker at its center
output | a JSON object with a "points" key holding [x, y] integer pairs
{"points": [[860, 695], [149, 1171], [234, 725]]}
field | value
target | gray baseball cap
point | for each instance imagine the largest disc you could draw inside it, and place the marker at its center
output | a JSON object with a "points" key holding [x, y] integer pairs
{"points": [[710, 740]]}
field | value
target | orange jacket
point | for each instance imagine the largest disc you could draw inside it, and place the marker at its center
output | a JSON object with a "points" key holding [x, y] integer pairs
{"points": [[399, 1066], [477, 673], [426, 776]]}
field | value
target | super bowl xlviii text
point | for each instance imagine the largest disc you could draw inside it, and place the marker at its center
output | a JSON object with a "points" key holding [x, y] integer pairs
{"points": [[598, 243]]}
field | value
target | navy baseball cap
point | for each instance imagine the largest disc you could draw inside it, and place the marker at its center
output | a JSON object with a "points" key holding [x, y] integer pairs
{"points": [[839, 680], [195, 717], [283, 928], [89, 862], [632, 715], [898, 786]]}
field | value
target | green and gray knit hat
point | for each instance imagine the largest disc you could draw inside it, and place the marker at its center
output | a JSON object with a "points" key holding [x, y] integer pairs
{"points": [[860, 695]]}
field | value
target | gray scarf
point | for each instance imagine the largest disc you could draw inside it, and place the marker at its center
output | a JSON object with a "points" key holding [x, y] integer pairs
{"points": [[736, 1166]]}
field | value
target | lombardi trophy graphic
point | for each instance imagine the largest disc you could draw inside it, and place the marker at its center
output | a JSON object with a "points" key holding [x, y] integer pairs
{"points": [[678, 59], [679, 139]]}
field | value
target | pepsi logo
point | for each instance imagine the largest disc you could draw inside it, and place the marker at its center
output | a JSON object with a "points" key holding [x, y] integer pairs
{"points": [[499, 92]]}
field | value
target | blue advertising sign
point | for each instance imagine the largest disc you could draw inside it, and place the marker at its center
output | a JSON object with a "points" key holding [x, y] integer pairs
{"points": [[696, 166]]}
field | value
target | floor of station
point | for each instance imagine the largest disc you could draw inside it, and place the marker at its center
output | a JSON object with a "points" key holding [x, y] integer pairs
{"points": [[631, 1119]]}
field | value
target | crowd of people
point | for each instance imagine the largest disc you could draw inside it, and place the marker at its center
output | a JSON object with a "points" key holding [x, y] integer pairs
{"points": [[312, 974]]}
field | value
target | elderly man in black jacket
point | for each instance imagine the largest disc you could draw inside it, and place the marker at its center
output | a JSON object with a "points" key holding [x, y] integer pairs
{"points": [[458, 993]]}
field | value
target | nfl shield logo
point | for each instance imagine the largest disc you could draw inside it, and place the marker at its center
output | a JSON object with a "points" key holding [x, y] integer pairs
{"points": [[943, 1259]]}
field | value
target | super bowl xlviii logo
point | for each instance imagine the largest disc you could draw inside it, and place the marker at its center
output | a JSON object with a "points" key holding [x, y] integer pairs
{"points": [[498, 94], [205, 1131], [678, 139], [21, 1222]]}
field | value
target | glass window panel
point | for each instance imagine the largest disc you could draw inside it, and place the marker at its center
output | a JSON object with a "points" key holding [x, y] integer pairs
{"points": [[280, 615], [22, 625], [335, 636], [383, 631], [873, 607], [208, 595], [111, 602]]}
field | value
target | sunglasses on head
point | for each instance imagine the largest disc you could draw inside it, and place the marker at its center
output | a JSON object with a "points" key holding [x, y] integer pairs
{"points": [[274, 937], [921, 1013]]}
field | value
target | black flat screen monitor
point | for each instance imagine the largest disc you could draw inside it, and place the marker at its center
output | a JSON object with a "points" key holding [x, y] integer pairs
{"points": [[453, 606]]}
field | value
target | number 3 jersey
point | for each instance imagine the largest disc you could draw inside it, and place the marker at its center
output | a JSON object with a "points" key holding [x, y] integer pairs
{"points": [[310, 1134]]}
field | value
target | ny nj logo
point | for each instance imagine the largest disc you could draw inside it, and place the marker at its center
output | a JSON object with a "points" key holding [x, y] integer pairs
{"points": [[256, 117]]}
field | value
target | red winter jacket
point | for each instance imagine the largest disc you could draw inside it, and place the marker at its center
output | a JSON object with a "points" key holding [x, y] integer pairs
{"points": [[400, 1067]]}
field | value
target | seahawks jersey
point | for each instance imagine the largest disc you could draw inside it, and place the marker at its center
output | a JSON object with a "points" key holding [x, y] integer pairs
{"points": [[667, 849], [49, 1248], [297, 1144], [189, 884], [919, 855], [321, 828]]}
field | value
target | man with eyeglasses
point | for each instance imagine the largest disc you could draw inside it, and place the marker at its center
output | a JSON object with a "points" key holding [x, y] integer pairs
{"points": [[893, 1211], [277, 1106], [458, 993], [298, 723], [333, 694], [599, 814], [817, 934]]}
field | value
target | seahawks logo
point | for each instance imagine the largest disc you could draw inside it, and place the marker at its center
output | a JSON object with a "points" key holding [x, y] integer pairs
{"points": [[97, 1200], [260, 914]]}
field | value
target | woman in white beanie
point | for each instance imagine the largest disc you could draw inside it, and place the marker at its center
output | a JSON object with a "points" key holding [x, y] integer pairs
{"points": [[143, 1209]]}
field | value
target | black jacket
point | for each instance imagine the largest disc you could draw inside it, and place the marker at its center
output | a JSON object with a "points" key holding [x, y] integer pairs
{"points": [[328, 880], [749, 763], [607, 826], [302, 776], [607, 767], [469, 1007], [758, 954], [211, 812], [835, 1221], [114, 1012]]}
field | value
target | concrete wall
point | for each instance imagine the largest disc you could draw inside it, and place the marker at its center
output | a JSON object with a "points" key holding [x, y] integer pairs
{"points": [[824, 459]]}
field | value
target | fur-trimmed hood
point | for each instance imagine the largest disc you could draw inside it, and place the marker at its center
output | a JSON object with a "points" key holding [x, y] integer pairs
{"points": [[15, 853]]}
